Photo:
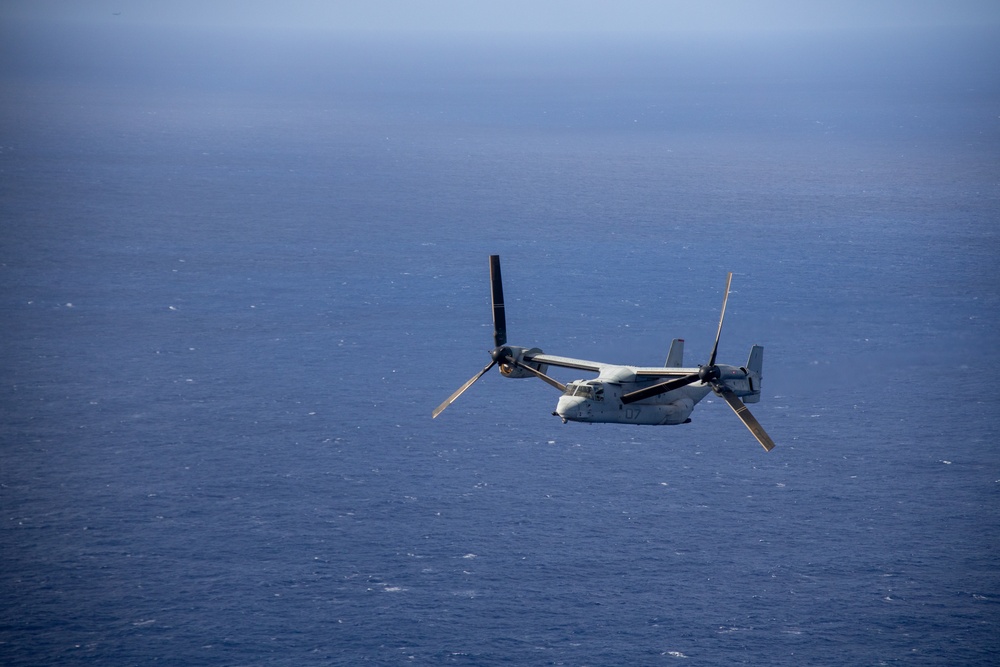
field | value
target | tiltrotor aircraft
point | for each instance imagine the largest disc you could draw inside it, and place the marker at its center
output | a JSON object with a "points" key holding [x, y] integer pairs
{"points": [[628, 394]]}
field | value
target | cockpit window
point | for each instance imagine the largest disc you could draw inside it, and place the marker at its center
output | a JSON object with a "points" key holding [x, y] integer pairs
{"points": [[586, 391]]}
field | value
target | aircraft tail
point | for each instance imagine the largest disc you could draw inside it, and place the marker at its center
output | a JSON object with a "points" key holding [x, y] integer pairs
{"points": [[755, 369], [675, 357]]}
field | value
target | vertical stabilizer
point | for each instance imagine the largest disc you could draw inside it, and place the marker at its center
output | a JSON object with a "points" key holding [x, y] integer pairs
{"points": [[755, 364], [755, 367], [675, 357]]}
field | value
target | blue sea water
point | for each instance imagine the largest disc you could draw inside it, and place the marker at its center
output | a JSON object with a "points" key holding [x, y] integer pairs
{"points": [[237, 281]]}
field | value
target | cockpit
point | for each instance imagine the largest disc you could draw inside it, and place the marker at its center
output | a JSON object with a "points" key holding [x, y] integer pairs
{"points": [[589, 390]]}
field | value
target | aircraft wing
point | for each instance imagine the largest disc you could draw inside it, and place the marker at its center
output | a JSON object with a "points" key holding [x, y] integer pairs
{"points": [[596, 366], [663, 372], [565, 362]]}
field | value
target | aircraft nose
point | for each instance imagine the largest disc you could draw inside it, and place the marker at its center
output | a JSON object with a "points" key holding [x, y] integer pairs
{"points": [[570, 407]]}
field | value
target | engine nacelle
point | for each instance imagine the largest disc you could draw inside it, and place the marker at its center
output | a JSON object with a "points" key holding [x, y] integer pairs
{"points": [[744, 383], [512, 371]]}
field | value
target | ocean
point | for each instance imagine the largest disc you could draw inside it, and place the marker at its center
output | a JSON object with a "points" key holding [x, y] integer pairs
{"points": [[237, 279]]}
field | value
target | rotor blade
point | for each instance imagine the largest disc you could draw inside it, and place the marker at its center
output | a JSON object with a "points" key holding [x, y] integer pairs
{"points": [[451, 399], [718, 334], [658, 389], [499, 317], [743, 413], [542, 376]]}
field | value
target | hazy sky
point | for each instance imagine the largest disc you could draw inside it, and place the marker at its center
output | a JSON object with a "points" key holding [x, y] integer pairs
{"points": [[520, 15]]}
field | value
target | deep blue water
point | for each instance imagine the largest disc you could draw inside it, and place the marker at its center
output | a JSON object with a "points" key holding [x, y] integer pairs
{"points": [[235, 286]]}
